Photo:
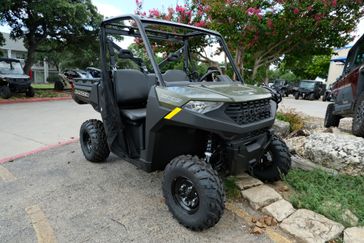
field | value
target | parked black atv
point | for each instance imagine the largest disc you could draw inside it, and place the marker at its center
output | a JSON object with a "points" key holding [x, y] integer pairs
{"points": [[281, 86], [179, 115], [327, 96], [310, 90], [13, 79]]}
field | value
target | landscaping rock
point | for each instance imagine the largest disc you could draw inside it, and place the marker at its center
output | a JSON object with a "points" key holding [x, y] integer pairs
{"points": [[308, 226], [246, 181], [260, 196], [354, 235], [338, 151], [350, 218], [305, 164], [281, 128], [279, 210]]}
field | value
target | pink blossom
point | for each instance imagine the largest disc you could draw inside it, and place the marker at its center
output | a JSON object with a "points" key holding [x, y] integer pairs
{"points": [[154, 13], [270, 23], [318, 17], [296, 11], [180, 9], [200, 23], [309, 8], [207, 8], [334, 3], [251, 11]]}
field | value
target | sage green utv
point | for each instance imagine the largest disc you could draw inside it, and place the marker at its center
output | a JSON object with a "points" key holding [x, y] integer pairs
{"points": [[171, 98]]}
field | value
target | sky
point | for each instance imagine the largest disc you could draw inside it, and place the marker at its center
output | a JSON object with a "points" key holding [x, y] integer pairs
{"points": [[110, 8]]}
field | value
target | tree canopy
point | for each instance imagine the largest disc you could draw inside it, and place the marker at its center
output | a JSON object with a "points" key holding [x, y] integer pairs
{"points": [[262, 32], [51, 25]]}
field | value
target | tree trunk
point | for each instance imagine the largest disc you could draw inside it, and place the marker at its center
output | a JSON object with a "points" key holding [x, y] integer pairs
{"points": [[29, 61], [255, 71]]}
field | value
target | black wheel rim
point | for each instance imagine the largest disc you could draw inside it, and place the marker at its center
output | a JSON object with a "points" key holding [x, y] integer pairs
{"points": [[185, 194], [87, 141], [264, 163]]}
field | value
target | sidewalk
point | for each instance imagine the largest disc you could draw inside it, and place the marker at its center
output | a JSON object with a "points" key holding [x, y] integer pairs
{"points": [[28, 126]]}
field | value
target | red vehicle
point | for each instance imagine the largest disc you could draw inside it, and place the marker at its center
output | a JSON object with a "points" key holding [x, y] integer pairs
{"points": [[348, 92]]}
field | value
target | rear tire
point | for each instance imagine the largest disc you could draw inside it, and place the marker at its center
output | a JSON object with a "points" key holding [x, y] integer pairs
{"points": [[275, 163], [5, 92], [331, 120], [312, 96], [358, 121], [30, 92], [93, 141], [193, 192], [58, 85]]}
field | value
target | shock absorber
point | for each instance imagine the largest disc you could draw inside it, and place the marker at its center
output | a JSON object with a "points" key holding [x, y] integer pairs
{"points": [[208, 151]]}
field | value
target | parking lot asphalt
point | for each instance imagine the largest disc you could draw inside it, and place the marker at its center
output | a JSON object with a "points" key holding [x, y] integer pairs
{"points": [[315, 108], [57, 196], [28, 126]]}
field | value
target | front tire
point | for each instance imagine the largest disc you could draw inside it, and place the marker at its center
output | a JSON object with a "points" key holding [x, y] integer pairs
{"points": [[93, 141], [331, 120], [193, 192], [30, 92], [297, 96], [275, 163], [358, 121], [5, 92]]}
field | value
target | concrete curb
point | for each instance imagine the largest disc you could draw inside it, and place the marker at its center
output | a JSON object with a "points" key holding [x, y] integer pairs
{"points": [[38, 150], [29, 100]]}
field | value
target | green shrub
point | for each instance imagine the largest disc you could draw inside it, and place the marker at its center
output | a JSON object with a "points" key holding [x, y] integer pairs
{"points": [[295, 121]]}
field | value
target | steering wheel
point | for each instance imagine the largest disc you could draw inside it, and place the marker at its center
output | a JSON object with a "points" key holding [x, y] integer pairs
{"points": [[210, 72]]}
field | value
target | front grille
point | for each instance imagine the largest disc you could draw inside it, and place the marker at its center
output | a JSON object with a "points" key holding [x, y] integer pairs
{"points": [[249, 112]]}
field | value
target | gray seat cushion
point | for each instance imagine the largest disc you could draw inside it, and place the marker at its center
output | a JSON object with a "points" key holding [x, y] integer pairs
{"points": [[134, 114]]}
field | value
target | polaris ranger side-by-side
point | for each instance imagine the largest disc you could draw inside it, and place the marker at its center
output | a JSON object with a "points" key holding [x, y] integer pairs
{"points": [[166, 104], [13, 79]]}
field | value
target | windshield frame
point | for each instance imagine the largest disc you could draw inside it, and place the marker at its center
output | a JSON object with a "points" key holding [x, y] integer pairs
{"points": [[109, 27], [312, 83], [15, 65]]}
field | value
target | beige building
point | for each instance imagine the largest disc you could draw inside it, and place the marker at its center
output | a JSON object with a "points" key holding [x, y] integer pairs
{"points": [[337, 64], [16, 49]]}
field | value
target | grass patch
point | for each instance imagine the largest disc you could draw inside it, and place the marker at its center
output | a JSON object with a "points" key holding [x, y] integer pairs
{"points": [[231, 189], [329, 195], [49, 94], [39, 94], [43, 86], [295, 121]]}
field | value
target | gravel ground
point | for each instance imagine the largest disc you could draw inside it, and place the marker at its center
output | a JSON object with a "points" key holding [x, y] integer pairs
{"points": [[98, 202]]}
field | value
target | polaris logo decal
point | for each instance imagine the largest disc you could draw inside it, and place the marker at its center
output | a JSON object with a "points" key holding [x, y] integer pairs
{"points": [[82, 93]]}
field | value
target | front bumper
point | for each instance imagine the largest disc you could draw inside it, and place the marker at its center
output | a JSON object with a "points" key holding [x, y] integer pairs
{"points": [[241, 153]]}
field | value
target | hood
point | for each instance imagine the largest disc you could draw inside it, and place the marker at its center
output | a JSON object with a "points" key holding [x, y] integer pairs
{"points": [[221, 92], [14, 76]]}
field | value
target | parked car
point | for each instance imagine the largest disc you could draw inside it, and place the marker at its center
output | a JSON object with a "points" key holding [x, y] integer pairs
{"points": [[348, 92], [310, 90], [281, 86], [327, 96], [13, 79]]}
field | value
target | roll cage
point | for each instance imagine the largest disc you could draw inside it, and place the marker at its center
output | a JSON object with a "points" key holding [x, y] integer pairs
{"points": [[139, 30]]}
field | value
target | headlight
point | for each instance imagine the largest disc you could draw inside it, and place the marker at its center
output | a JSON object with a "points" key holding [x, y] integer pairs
{"points": [[202, 106]]}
